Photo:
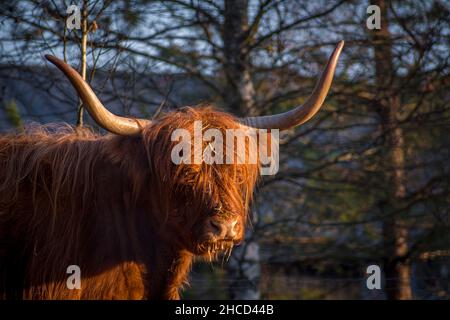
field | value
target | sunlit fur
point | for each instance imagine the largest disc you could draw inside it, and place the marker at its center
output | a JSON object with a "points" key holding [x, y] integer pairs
{"points": [[115, 206]]}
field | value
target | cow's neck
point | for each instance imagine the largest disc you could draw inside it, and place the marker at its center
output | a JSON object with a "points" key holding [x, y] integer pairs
{"points": [[168, 271], [177, 274], [167, 266]]}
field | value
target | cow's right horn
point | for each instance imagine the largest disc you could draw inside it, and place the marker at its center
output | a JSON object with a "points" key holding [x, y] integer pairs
{"points": [[101, 115]]}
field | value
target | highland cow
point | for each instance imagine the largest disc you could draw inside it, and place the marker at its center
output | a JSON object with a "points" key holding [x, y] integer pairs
{"points": [[117, 206]]}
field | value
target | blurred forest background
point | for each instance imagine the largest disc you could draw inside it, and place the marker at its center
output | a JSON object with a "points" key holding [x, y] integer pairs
{"points": [[365, 182]]}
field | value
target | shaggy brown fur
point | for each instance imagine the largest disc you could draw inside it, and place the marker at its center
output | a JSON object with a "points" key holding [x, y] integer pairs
{"points": [[115, 206]]}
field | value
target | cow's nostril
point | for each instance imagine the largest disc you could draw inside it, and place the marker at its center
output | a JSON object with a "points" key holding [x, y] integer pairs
{"points": [[216, 227], [233, 229]]}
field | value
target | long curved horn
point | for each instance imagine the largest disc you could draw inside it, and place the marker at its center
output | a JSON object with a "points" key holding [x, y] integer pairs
{"points": [[302, 113], [104, 118]]}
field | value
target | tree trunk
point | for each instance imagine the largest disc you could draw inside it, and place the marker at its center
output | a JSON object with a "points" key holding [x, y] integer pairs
{"points": [[243, 268], [240, 92], [84, 35], [397, 268]]}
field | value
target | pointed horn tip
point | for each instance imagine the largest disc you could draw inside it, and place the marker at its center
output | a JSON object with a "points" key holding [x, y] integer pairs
{"points": [[57, 62], [333, 60], [50, 58], [339, 46]]}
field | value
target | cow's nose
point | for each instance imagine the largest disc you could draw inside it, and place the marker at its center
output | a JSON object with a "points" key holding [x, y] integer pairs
{"points": [[224, 229]]}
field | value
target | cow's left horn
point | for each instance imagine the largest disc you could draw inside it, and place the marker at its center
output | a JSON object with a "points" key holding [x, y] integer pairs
{"points": [[304, 112], [104, 118]]}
